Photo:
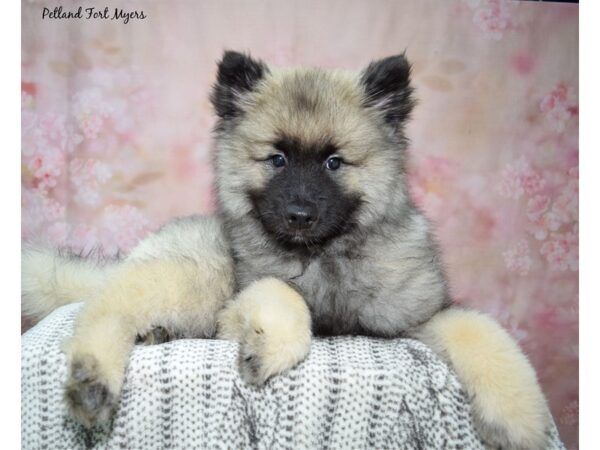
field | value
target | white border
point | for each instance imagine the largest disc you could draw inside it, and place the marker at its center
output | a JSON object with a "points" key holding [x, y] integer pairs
{"points": [[10, 226], [589, 223]]}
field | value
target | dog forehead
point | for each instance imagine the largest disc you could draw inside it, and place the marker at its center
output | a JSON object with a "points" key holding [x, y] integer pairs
{"points": [[310, 89], [312, 107]]}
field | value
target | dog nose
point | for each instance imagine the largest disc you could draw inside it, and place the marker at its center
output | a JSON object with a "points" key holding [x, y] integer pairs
{"points": [[301, 215]]}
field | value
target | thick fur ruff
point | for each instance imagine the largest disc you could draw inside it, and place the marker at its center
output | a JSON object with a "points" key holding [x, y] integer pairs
{"points": [[316, 234]]}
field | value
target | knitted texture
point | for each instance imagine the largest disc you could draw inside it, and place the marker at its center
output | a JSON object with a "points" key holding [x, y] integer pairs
{"points": [[350, 393]]}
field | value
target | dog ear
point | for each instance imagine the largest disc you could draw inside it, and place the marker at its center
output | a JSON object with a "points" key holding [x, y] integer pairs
{"points": [[237, 75], [387, 88]]}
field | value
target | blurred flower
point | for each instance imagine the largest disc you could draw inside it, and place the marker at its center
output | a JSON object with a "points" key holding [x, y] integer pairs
{"points": [[561, 251], [46, 166], [90, 109], [519, 178], [566, 206], [536, 206], [86, 177], [558, 107], [492, 17], [532, 182], [517, 259], [87, 195], [38, 209], [46, 139]]}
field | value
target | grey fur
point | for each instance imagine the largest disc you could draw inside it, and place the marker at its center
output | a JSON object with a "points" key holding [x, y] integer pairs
{"points": [[382, 275], [381, 278]]}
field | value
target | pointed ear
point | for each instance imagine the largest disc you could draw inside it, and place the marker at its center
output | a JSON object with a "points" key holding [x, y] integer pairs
{"points": [[387, 88], [237, 75]]}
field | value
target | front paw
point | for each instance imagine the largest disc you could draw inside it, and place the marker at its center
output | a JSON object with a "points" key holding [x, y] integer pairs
{"points": [[253, 368], [265, 353], [271, 322], [88, 396]]}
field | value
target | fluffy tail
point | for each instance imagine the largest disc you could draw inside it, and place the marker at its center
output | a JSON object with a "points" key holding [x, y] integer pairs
{"points": [[52, 278]]}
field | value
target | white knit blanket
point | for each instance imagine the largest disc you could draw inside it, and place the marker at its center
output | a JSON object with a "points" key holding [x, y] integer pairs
{"points": [[351, 392]]}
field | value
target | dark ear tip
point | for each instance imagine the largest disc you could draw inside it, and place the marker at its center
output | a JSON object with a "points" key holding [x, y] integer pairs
{"points": [[403, 60], [232, 63], [389, 79], [397, 62], [400, 58], [393, 72], [237, 73], [229, 53], [231, 59], [232, 56]]}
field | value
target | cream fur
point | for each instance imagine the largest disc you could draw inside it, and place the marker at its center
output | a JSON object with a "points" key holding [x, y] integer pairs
{"points": [[142, 295], [177, 278], [50, 280], [271, 322], [508, 404]]}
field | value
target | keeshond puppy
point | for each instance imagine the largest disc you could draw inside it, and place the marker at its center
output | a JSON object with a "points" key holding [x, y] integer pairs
{"points": [[316, 234]]}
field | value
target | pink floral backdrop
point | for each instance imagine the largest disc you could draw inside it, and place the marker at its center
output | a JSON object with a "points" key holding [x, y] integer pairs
{"points": [[116, 136]]}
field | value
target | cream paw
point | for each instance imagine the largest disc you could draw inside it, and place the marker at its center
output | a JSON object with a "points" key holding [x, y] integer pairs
{"points": [[271, 322]]}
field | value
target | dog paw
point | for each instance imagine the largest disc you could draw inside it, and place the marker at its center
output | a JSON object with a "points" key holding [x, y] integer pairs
{"points": [[88, 396], [271, 322], [253, 367], [267, 352]]}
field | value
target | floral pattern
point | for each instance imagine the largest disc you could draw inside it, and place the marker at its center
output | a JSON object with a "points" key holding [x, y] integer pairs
{"points": [[116, 137], [492, 17]]}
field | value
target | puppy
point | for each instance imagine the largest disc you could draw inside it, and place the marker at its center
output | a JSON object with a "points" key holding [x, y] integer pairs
{"points": [[315, 235]]}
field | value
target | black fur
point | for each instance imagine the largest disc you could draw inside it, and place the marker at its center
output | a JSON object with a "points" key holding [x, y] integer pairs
{"points": [[387, 85], [237, 74], [304, 179]]}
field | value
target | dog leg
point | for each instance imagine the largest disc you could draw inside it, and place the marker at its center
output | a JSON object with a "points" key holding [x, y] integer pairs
{"points": [[509, 408], [175, 293], [271, 322], [97, 360]]}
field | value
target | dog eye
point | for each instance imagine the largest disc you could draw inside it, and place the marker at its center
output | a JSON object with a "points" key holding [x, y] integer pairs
{"points": [[333, 163], [278, 160]]}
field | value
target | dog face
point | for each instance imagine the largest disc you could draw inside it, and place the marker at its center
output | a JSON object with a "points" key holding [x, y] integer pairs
{"points": [[309, 153]]}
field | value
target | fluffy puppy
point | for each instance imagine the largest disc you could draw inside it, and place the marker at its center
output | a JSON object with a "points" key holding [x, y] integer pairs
{"points": [[316, 234]]}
